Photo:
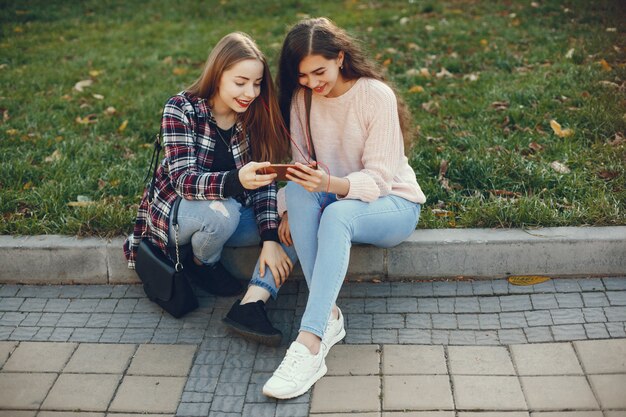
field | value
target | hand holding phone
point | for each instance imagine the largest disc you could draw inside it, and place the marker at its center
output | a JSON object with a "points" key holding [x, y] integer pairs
{"points": [[280, 170]]}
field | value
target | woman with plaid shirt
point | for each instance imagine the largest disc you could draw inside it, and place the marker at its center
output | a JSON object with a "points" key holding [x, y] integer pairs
{"points": [[213, 134]]}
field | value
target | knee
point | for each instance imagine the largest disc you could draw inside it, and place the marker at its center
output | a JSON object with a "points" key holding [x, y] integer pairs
{"points": [[295, 196], [221, 219], [335, 217], [293, 191]]}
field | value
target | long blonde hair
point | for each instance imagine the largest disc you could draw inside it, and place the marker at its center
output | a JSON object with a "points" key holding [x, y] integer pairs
{"points": [[262, 121], [320, 36]]}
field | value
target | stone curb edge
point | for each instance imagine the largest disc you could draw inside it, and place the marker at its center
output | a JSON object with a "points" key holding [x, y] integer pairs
{"points": [[426, 254]]}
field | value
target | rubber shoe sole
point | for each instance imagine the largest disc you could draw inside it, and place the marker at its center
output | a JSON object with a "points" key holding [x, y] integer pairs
{"points": [[246, 333], [316, 377]]}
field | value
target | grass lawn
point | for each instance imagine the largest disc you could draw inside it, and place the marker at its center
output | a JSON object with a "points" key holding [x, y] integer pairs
{"points": [[82, 85]]}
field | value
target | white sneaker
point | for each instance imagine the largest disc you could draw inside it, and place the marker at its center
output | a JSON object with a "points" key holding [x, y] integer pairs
{"points": [[335, 331], [298, 371]]}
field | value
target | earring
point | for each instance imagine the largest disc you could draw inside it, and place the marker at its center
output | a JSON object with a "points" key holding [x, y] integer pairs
{"points": [[341, 66]]}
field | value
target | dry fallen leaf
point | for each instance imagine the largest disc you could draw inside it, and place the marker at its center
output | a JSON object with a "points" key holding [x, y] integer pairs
{"points": [[560, 132], [619, 139], [527, 279], [441, 212], [471, 77], [387, 62], [500, 105], [95, 73], [179, 71], [82, 84], [431, 107], [560, 167], [443, 169], [89, 119], [55, 156], [12, 132], [122, 126], [608, 175], [424, 72], [484, 42], [605, 65], [81, 203], [416, 89], [110, 111], [504, 193], [535, 147], [98, 96], [569, 54], [609, 84], [443, 73]]}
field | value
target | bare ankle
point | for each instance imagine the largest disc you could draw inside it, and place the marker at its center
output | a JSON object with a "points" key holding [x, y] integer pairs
{"points": [[254, 294], [311, 341]]}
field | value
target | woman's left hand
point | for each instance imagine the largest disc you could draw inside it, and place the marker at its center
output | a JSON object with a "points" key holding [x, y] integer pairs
{"points": [[311, 179], [277, 260]]}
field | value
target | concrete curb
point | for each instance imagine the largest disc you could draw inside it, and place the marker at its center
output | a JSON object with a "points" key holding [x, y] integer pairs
{"points": [[441, 253]]}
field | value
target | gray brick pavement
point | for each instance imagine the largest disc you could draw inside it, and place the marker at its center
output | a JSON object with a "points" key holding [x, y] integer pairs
{"points": [[228, 372]]}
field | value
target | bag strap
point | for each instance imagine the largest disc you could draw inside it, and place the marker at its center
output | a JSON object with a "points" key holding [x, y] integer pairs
{"points": [[154, 161], [174, 211], [308, 96]]}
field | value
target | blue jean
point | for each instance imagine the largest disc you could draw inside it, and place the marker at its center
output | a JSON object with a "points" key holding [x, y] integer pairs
{"points": [[210, 225], [323, 242]]}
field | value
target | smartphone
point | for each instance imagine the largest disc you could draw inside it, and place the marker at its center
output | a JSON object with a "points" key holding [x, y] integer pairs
{"points": [[280, 169]]}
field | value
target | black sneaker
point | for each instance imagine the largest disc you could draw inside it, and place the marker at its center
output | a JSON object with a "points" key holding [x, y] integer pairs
{"points": [[214, 279], [250, 321]]}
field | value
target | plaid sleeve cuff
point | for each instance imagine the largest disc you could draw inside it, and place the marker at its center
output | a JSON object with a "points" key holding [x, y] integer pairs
{"points": [[232, 185], [270, 234]]}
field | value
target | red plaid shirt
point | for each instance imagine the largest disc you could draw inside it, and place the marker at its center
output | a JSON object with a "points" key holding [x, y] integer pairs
{"points": [[189, 142]]}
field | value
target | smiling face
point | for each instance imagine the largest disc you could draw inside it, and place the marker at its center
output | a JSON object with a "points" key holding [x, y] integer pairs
{"points": [[238, 87], [322, 75]]}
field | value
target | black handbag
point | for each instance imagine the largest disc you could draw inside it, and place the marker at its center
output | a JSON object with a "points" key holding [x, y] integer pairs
{"points": [[164, 281]]}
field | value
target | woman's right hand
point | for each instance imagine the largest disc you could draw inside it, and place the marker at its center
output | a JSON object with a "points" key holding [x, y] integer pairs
{"points": [[251, 180], [284, 234]]}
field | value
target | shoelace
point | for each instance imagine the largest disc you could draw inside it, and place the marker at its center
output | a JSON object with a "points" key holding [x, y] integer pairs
{"points": [[289, 363]]}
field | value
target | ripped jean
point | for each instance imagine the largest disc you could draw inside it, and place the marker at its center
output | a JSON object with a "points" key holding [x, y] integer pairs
{"points": [[323, 241], [210, 225]]}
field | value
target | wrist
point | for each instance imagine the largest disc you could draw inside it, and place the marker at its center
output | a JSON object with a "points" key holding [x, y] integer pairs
{"points": [[336, 185]]}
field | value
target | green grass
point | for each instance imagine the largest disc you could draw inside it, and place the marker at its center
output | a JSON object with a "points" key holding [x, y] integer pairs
{"points": [[499, 172]]}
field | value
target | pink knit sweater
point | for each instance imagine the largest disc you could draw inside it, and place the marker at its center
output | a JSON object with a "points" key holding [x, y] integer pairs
{"points": [[357, 136]]}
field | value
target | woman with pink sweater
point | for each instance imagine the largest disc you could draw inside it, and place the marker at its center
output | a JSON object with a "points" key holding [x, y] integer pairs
{"points": [[349, 124]]}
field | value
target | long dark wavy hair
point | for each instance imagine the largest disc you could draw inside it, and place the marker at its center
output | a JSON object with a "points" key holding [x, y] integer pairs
{"points": [[320, 36], [262, 121]]}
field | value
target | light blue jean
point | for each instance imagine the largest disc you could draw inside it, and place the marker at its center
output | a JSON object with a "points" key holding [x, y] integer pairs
{"points": [[210, 225], [323, 242]]}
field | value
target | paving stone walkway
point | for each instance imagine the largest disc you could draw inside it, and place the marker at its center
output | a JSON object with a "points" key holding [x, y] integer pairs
{"points": [[449, 348]]}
